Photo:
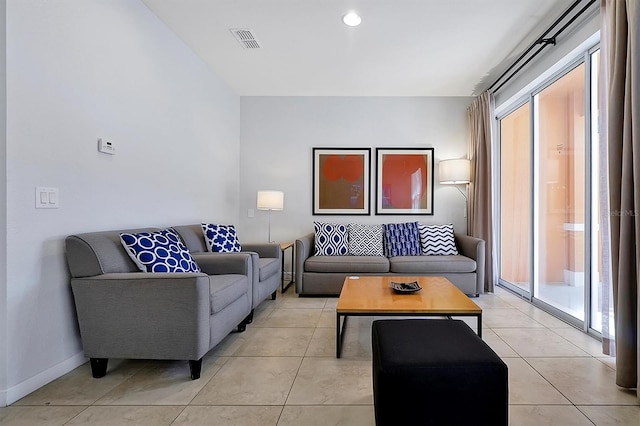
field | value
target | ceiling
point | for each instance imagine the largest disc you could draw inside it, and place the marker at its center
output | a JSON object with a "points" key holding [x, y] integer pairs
{"points": [[402, 47]]}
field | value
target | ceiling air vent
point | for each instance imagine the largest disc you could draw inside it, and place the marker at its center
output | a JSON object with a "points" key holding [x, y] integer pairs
{"points": [[246, 38]]}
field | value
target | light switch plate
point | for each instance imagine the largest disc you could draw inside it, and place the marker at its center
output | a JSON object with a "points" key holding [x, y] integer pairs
{"points": [[47, 197]]}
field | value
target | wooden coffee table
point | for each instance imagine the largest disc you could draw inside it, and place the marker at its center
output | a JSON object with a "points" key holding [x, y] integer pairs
{"points": [[373, 296]]}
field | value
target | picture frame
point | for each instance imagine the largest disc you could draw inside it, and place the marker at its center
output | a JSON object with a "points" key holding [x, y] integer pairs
{"points": [[404, 181], [341, 181]]}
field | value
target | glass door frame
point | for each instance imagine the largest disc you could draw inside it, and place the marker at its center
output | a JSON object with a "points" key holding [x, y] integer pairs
{"points": [[590, 214]]}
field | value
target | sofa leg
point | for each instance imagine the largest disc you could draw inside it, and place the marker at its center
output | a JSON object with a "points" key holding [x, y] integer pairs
{"points": [[249, 318], [98, 367], [273, 295], [195, 366]]}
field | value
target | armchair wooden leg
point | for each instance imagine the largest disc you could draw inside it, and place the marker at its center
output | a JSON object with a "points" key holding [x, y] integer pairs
{"points": [[98, 367], [195, 366], [273, 295], [249, 318]]}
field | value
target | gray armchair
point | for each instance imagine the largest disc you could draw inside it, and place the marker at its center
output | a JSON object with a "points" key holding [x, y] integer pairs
{"points": [[125, 313], [266, 260]]}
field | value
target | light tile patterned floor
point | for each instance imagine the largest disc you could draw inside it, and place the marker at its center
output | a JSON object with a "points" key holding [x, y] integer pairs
{"points": [[283, 371]]}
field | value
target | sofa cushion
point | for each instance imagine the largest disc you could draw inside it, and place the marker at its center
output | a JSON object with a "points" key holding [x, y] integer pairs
{"points": [[221, 238], [226, 289], [331, 239], [348, 264], [402, 239], [431, 264], [366, 240], [437, 239], [160, 251]]}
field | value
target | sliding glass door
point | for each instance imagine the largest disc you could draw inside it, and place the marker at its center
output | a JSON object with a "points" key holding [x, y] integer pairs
{"points": [[515, 199], [559, 137], [549, 235], [597, 317]]}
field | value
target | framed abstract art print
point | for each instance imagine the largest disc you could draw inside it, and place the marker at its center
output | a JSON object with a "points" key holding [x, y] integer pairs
{"points": [[404, 181], [341, 181]]}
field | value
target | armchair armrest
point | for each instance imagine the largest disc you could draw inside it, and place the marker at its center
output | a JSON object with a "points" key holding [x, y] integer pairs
{"points": [[264, 250], [224, 263], [144, 315]]}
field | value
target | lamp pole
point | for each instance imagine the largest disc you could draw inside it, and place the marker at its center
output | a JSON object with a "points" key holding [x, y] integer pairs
{"points": [[270, 200]]}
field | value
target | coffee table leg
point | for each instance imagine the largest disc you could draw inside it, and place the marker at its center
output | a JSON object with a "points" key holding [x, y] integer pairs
{"points": [[480, 325], [338, 340], [340, 333]]}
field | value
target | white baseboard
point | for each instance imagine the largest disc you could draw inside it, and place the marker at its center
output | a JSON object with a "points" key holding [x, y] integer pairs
{"points": [[23, 389]]}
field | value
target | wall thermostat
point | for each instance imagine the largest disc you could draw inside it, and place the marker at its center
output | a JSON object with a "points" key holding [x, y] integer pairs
{"points": [[106, 146]]}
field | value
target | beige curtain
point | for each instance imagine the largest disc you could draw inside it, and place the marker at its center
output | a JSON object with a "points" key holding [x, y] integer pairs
{"points": [[480, 208], [621, 63]]}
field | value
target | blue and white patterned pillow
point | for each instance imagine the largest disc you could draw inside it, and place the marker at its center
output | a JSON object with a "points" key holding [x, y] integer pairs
{"points": [[221, 238], [161, 251], [331, 239], [366, 240], [437, 239], [402, 239]]}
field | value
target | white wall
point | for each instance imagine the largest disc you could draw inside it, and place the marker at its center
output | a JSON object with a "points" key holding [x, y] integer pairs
{"points": [[584, 34], [78, 70], [3, 210], [278, 134]]}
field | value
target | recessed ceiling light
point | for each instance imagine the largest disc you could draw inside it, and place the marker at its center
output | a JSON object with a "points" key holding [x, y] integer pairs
{"points": [[352, 19]]}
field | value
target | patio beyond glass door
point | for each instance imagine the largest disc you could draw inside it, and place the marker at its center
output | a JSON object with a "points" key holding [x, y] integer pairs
{"points": [[559, 120], [515, 199]]}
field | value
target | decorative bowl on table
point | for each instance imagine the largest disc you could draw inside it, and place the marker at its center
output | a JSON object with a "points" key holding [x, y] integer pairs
{"points": [[411, 287]]}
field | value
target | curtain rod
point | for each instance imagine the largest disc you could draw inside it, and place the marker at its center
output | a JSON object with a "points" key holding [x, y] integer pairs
{"points": [[543, 41]]}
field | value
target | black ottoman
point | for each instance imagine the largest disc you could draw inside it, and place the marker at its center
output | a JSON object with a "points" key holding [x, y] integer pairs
{"points": [[436, 372]]}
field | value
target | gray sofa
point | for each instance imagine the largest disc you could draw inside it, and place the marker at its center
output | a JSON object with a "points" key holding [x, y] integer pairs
{"points": [[324, 275], [266, 261], [125, 313]]}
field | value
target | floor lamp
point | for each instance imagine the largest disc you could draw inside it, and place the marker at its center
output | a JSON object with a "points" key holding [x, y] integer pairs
{"points": [[456, 172], [270, 200]]}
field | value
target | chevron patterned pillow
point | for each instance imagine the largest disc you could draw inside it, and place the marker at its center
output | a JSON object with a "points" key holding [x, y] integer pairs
{"points": [[366, 240], [437, 239], [402, 239], [331, 239]]}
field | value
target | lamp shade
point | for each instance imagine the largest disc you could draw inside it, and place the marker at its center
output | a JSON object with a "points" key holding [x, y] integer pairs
{"points": [[270, 200], [455, 171]]}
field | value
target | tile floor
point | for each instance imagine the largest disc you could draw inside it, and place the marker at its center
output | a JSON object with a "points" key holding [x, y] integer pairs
{"points": [[283, 371]]}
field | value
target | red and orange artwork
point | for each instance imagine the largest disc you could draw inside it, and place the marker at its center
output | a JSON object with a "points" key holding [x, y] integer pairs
{"points": [[341, 181], [404, 181]]}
